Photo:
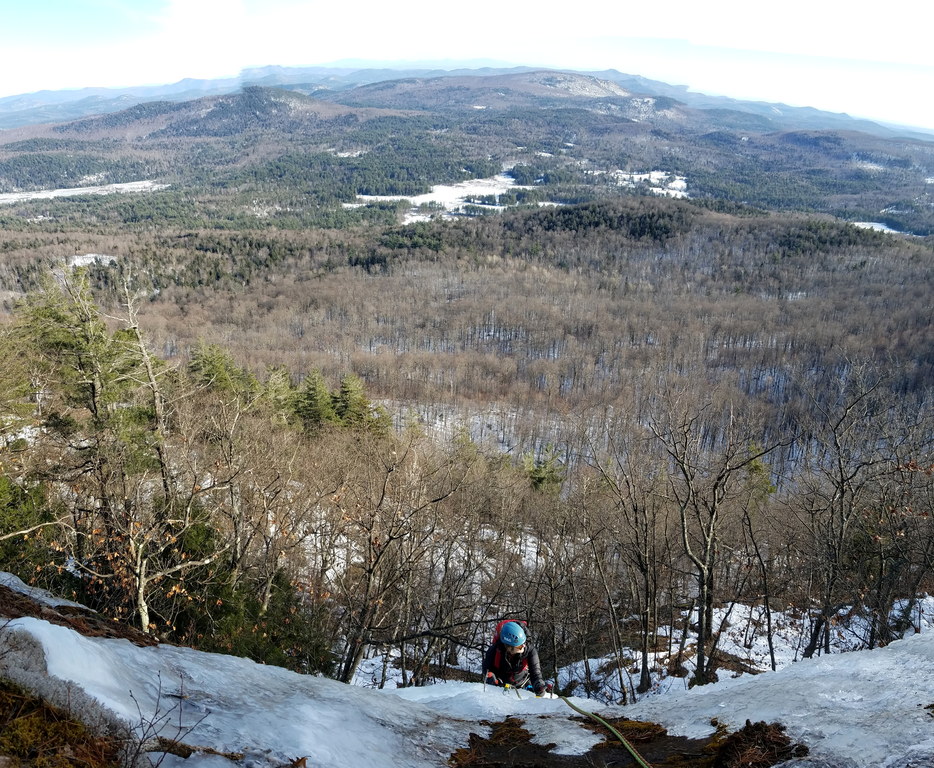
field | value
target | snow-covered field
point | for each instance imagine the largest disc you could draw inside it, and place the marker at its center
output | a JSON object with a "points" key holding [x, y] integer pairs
{"points": [[104, 189], [875, 225], [659, 183], [446, 199]]}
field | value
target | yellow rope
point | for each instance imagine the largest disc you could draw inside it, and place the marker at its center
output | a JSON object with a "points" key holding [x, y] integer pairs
{"points": [[631, 749]]}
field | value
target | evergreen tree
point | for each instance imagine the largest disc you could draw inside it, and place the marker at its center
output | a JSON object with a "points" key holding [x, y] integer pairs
{"points": [[102, 453], [70, 351], [354, 408], [279, 394], [214, 367], [545, 473], [351, 403], [313, 403]]}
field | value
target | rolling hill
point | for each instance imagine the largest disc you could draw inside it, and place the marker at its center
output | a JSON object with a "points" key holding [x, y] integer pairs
{"points": [[571, 134]]}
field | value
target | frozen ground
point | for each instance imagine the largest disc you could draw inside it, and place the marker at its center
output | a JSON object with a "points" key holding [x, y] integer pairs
{"points": [[876, 226], [659, 183], [447, 199], [104, 189]]}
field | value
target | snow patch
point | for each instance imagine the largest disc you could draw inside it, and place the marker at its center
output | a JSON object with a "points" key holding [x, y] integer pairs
{"points": [[10, 198], [447, 200], [661, 183], [39, 595], [86, 259], [350, 153], [876, 226]]}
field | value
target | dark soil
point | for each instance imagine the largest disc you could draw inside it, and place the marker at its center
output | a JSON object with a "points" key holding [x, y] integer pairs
{"points": [[756, 745]]}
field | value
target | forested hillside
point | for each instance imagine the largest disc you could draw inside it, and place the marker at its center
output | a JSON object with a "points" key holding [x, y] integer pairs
{"points": [[272, 417], [268, 157], [288, 522], [545, 312]]}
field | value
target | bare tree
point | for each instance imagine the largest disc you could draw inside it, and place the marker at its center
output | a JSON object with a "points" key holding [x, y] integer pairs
{"points": [[711, 455], [849, 446], [635, 522], [389, 501]]}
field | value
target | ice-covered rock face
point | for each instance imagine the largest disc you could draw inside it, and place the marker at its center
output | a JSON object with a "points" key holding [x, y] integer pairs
{"points": [[42, 596]]}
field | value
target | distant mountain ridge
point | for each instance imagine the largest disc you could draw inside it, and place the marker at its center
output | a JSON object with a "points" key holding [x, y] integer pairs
{"points": [[252, 109], [328, 137], [327, 82]]}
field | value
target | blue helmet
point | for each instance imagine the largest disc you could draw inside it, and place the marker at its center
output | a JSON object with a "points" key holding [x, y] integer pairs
{"points": [[512, 633]]}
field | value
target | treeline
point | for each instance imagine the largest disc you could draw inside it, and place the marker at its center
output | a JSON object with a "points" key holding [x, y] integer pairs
{"points": [[280, 518], [398, 166], [51, 170], [179, 209]]}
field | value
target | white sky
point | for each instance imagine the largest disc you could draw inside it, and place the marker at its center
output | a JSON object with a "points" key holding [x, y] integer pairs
{"points": [[864, 709], [829, 54]]}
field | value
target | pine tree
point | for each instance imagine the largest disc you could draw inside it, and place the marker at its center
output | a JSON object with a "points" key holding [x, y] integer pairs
{"points": [[545, 472], [102, 452], [313, 402], [279, 394], [214, 367], [351, 403], [354, 408]]}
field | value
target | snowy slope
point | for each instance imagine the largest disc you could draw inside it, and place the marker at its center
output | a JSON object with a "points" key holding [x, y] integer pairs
{"points": [[872, 707], [860, 709]]}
